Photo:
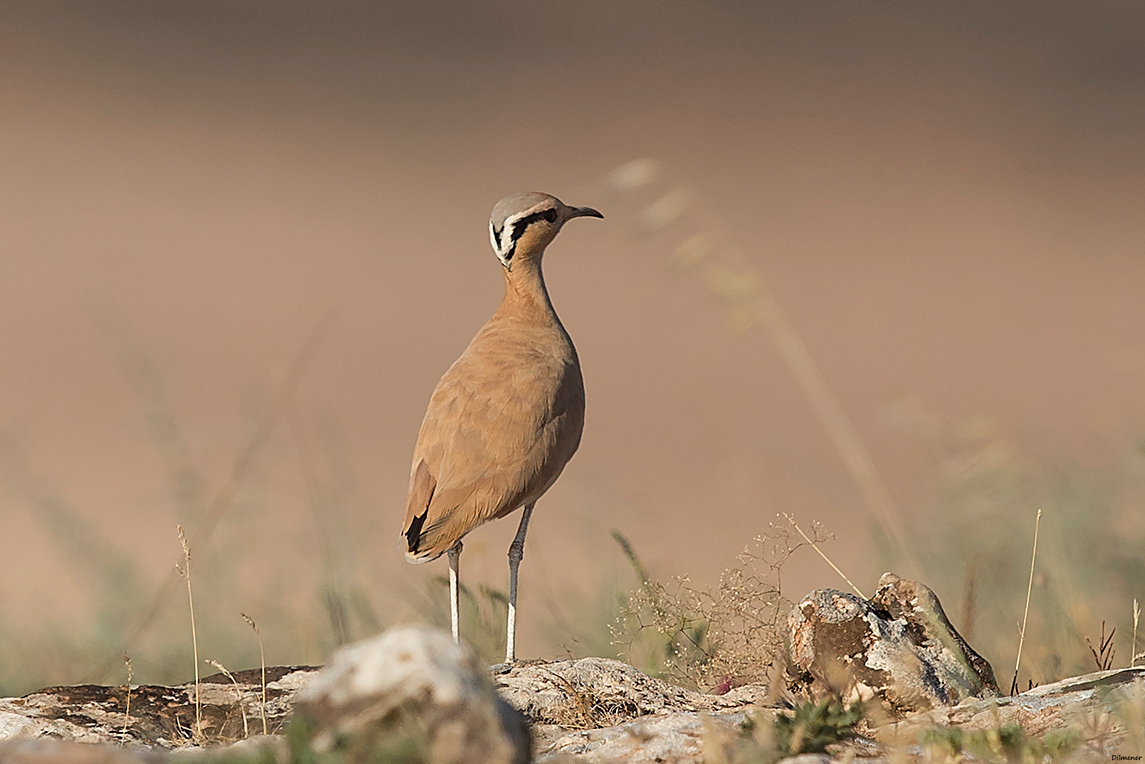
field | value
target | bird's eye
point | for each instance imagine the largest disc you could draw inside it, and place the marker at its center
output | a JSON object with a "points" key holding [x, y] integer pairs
{"points": [[550, 215]]}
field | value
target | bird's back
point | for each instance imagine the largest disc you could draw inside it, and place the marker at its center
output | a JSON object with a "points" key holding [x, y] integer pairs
{"points": [[501, 425]]}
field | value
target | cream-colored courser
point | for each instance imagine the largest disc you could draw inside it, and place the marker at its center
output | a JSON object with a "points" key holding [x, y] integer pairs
{"points": [[507, 416]]}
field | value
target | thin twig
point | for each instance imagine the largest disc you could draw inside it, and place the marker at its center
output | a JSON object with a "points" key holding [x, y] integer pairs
{"points": [[1026, 615], [815, 546], [1102, 654]]}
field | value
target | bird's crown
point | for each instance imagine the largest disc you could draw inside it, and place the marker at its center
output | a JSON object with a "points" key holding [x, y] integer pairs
{"points": [[517, 213]]}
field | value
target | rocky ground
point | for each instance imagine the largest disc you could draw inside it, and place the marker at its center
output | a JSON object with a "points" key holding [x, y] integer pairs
{"points": [[412, 690]]}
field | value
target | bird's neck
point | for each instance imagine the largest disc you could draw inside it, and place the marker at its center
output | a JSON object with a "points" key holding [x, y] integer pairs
{"points": [[525, 291]]}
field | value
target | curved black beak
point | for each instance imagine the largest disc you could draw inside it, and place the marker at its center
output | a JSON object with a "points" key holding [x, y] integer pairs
{"points": [[584, 212]]}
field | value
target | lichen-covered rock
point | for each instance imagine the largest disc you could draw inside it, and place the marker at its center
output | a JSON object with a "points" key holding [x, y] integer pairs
{"points": [[1119, 693], [899, 647], [599, 692], [414, 682], [1110, 705], [687, 737], [230, 708]]}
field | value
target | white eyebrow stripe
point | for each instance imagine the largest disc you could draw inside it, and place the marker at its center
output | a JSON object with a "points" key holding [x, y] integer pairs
{"points": [[510, 227]]}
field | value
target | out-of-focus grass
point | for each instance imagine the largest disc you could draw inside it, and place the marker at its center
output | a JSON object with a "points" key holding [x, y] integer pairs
{"points": [[969, 539], [301, 615], [975, 535], [304, 609]]}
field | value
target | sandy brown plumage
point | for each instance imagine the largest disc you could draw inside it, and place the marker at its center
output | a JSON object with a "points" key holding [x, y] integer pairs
{"points": [[507, 416], [501, 425]]}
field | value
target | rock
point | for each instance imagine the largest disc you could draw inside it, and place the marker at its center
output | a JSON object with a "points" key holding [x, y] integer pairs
{"points": [[669, 725], [51, 751], [603, 710], [665, 738], [1111, 702], [601, 692], [159, 716], [413, 683], [899, 647], [916, 604]]}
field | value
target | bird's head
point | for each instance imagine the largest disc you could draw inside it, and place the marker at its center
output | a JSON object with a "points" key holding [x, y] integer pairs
{"points": [[522, 225]]}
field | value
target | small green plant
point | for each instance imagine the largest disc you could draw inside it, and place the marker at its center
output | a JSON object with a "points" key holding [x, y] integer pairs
{"points": [[390, 746], [1005, 744], [814, 725]]}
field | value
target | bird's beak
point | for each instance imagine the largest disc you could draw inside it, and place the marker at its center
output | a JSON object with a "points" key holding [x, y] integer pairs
{"points": [[583, 212]]}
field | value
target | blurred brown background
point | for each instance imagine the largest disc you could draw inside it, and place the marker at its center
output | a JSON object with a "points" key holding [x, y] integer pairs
{"points": [[946, 199]]}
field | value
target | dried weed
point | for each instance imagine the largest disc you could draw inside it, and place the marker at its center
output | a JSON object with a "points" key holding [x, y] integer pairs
{"points": [[722, 637]]}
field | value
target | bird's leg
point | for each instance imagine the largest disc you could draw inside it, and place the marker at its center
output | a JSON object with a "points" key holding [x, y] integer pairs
{"points": [[516, 552], [454, 596]]}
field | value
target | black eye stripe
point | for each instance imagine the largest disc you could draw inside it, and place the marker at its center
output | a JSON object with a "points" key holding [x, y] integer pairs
{"points": [[519, 226], [496, 235]]}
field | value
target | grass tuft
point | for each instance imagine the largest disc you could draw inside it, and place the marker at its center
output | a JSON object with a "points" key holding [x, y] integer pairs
{"points": [[813, 726], [1001, 745]]}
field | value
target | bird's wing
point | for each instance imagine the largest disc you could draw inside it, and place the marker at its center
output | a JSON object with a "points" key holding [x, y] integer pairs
{"points": [[498, 431]]}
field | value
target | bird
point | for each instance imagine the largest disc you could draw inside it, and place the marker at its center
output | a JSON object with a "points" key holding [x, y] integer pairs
{"points": [[507, 416]]}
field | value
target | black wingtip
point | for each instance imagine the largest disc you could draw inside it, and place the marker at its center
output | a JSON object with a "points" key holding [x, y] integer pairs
{"points": [[413, 533]]}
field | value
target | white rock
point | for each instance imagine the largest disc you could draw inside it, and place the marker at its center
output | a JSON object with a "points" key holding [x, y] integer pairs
{"points": [[415, 680]]}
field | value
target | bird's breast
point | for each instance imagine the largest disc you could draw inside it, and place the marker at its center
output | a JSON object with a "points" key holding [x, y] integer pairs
{"points": [[514, 397]]}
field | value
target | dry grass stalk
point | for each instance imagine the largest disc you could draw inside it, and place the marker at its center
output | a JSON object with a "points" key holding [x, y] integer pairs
{"points": [[1026, 614], [238, 693], [262, 664], [185, 572], [1133, 648], [815, 546], [127, 711]]}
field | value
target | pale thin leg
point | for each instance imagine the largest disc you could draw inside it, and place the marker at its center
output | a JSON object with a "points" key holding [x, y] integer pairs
{"points": [[516, 552], [454, 595]]}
